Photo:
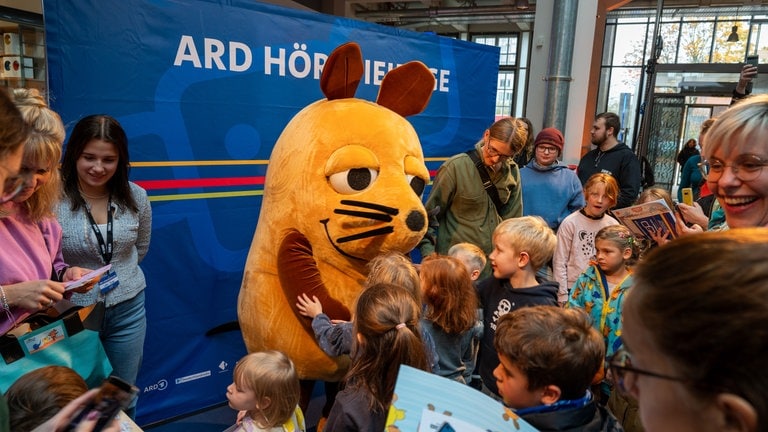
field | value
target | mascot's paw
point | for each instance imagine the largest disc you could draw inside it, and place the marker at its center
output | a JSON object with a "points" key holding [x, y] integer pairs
{"points": [[299, 275]]}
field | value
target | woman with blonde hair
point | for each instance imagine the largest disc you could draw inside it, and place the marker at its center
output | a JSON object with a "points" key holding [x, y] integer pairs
{"points": [[32, 262]]}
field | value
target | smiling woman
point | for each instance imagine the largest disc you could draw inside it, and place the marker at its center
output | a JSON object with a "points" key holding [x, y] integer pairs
{"points": [[108, 220], [29, 232], [735, 156]]}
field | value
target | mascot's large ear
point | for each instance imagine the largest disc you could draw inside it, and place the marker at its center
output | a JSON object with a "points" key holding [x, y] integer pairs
{"points": [[342, 72], [406, 89]]}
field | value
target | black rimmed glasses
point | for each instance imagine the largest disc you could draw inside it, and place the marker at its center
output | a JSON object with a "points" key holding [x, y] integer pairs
{"points": [[746, 167], [492, 152], [624, 374], [546, 149]]}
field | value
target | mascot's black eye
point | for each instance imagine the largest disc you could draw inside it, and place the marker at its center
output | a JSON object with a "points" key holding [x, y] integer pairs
{"points": [[353, 180], [417, 184]]}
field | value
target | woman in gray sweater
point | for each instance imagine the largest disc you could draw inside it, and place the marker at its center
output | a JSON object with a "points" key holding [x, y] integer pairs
{"points": [[106, 219]]}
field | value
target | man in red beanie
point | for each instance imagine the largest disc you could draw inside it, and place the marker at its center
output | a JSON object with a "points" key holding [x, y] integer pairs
{"points": [[550, 189]]}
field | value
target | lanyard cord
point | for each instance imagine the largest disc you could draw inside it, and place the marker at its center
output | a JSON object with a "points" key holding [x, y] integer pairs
{"points": [[105, 248]]}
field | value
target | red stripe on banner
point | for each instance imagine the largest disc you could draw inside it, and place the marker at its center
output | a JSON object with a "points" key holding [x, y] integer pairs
{"points": [[193, 183]]}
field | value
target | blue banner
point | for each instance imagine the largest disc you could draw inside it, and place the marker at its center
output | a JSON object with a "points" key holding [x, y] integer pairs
{"points": [[203, 90]]}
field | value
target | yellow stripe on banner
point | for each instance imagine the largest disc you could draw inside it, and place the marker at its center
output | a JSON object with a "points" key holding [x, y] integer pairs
{"points": [[198, 163], [179, 197], [227, 162]]}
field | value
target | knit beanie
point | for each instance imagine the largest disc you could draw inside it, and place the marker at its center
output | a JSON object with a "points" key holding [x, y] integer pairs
{"points": [[550, 135]]}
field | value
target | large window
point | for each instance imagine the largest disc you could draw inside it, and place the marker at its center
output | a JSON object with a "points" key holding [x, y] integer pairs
{"points": [[512, 73], [690, 38]]}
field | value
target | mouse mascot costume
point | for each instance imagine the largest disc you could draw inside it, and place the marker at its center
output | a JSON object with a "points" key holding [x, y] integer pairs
{"points": [[344, 184]]}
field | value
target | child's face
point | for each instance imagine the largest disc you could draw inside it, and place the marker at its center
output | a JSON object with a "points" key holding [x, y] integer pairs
{"points": [[597, 201], [504, 259], [610, 257], [513, 386], [241, 398]]}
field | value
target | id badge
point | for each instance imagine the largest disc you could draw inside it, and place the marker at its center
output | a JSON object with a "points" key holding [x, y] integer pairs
{"points": [[108, 282]]}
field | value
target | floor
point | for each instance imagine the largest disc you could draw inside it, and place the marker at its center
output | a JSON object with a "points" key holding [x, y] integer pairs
{"points": [[219, 418]]}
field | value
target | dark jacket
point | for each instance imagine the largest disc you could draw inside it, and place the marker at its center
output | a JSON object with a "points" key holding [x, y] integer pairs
{"points": [[589, 418], [685, 154], [497, 297], [621, 163]]}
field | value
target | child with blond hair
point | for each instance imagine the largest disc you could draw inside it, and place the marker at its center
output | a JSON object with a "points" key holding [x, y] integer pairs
{"points": [[265, 391], [521, 246], [576, 235], [471, 256]]}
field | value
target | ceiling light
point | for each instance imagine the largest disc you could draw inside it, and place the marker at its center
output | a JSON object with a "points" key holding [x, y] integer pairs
{"points": [[522, 4], [734, 36]]}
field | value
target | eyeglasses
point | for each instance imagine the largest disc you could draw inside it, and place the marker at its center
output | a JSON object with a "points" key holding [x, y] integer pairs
{"points": [[746, 167], [621, 367], [546, 149], [12, 186], [492, 152]]}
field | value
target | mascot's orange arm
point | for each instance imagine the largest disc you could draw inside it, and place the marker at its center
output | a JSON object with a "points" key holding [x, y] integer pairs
{"points": [[299, 274]]}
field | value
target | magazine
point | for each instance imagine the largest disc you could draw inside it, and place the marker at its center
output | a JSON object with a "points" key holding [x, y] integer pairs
{"points": [[645, 219], [426, 402]]}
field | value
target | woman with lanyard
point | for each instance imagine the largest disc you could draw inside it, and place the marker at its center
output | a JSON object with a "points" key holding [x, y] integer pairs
{"points": [[107, 219]]}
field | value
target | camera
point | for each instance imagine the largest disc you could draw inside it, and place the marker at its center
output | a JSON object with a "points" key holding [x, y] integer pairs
{"points": [[114, 394]]}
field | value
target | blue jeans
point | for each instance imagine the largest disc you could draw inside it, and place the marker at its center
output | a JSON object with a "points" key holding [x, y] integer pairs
{"points": [[125, 325]]}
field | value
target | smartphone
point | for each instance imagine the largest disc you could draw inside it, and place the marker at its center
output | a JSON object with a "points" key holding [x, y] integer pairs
{"points": [[687, 196], [753, 60], [114, 394]]}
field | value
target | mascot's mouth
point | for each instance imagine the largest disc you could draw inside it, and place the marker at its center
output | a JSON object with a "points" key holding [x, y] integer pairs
{"points": [[381, 214]]}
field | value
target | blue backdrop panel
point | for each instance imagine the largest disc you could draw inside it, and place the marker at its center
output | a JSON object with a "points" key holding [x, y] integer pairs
{"points": [[203, 90]]}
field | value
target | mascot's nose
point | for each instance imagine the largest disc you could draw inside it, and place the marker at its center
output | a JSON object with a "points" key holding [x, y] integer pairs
{"points": [[415, 221]]}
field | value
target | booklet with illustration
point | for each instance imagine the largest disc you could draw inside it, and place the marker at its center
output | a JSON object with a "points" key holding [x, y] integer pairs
{"points": [[431, 403], [647, 218], [93, 276]]}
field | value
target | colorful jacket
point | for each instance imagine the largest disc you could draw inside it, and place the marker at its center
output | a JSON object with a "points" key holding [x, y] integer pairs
{"points": [[460, 208], [589, 293]]}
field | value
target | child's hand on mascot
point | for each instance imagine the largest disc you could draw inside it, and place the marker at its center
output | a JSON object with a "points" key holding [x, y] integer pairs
{"points": [[309, 307]]}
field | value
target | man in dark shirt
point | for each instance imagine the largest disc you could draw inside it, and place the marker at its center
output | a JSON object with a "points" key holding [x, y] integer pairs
{"points": [[612, 157]]}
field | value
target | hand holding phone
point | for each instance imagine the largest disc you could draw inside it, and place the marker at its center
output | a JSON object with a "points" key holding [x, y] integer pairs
{"points": [[114, 395], [749, 72], [687, 196]]}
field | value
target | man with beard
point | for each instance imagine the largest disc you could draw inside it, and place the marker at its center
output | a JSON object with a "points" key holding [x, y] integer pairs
{"points": [[612, 157]]}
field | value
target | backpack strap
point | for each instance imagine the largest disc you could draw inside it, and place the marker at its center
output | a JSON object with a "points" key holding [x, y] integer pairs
{"points": [[490, 188]]}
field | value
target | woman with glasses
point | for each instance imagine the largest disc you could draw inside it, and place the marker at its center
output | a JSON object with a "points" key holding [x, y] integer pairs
{"points": [[734, 160], [695, 350], [31, 265], [461, 209]]}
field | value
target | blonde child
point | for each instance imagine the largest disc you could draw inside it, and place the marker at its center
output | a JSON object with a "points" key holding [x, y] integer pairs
{"points": [[520, 247], [601, 289], [388, 334], [575, 237], [471, 256], [450, 315], [265, 389]]}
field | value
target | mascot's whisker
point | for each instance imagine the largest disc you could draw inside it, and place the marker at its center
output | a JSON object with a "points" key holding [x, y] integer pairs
{"points": [[368, 215], [366, 234], [389, 210]]}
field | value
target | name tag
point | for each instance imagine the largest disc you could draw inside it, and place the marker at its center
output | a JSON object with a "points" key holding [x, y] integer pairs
{"points": [[108, 282]]}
